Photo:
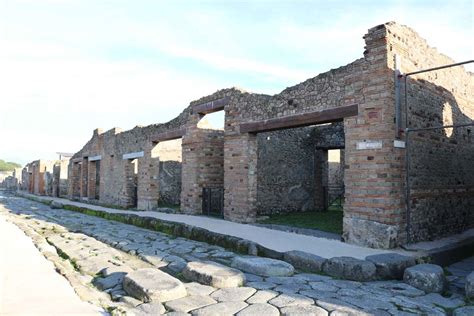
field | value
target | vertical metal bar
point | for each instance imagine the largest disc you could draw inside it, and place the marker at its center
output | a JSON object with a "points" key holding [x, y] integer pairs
{"points": [[407, 187], [406, 100], [398, 109]]}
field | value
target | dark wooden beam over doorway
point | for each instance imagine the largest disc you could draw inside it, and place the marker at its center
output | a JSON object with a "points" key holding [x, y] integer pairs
{"points": [[300, 120]]}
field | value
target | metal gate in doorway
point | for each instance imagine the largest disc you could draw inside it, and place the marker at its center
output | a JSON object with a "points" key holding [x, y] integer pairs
{"points": [[213, 202]]}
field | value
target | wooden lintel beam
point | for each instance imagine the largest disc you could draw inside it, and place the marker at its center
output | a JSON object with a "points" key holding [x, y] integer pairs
{"points": [[175, 134], [212, 106], [299, 120]]}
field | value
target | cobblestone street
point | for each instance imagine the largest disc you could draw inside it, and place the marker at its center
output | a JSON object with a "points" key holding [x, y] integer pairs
{"points": [[113, 265]]}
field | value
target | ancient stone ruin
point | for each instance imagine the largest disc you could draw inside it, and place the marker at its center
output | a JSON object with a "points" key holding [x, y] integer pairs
{"points": [[272, 155]]}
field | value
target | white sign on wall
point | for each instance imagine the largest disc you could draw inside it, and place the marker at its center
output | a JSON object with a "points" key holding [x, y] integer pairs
{"points": [[134, 155], [95, 158], [369, 144]]}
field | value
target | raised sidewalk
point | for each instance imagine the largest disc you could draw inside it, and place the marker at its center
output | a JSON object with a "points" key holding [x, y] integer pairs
{"points": [[273, 239]]}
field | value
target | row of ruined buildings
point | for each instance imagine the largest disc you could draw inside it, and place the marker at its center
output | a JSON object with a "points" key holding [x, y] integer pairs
{"points": [[405, 141]]}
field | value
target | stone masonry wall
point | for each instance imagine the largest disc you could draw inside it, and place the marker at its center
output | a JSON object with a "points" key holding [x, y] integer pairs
{"points": [[286, 174], [441, 168]]}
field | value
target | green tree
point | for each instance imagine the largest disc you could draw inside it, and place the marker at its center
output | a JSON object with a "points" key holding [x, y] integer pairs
{"points": [[8, 166]]}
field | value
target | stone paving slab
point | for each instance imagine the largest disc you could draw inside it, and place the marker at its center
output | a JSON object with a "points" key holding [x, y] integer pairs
{"points": [[263, 266]]}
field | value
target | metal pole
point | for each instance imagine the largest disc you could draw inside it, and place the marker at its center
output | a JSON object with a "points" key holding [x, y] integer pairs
{"points": [[439, 67], [438, 127], [407, 179], [405, 92]]}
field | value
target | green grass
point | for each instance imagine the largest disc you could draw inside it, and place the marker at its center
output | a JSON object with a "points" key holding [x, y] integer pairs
{"points": [[330, 221], [168, 205]]}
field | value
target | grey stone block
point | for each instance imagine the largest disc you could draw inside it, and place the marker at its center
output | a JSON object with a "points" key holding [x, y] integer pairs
{"points": [[263, 266], [304, 260], [56, 205], [350, 268], [391, 265], [213, 274], [464, 311], [110, 281], [426, 277], [153, 285]]}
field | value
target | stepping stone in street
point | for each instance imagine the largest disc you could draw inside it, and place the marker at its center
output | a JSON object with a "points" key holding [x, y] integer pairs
{"points": [[153, 285], [263, 266], [189, 303], [221, 309], [426, 277], [213, 274], [259, 309]]}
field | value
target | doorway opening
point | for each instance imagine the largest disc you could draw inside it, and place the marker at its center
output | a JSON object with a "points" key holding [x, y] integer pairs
{"points": [[131, 186], [211, 163], [300, 177], [169, 155]]}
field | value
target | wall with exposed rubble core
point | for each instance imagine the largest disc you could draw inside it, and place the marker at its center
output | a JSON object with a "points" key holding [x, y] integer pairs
{"points": [[441, 160], [360, 97], [287, 179], [170, 183]]}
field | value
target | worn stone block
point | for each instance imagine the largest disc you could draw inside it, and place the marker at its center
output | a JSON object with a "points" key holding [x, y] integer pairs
{"points": [[350, 268], [426, 277]]}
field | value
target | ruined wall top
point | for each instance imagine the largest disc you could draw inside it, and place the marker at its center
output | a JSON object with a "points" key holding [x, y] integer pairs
{"points": [[336, 87]]}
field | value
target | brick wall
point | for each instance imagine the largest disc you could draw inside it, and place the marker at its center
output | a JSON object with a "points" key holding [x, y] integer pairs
{"points": [[374, 210]]}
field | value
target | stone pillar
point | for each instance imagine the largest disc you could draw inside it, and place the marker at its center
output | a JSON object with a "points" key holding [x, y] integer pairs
{"points": [[84, 178]]}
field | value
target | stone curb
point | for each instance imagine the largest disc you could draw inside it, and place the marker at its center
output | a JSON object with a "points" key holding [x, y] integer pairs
{"points": [[299, 259]]}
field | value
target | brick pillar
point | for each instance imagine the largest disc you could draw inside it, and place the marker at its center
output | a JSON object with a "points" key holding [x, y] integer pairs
{"points": [[148, 179], [320, 179], [191, 191], [91, 177], [75, 181], [240, 181], [373, 210], [84, 177]]}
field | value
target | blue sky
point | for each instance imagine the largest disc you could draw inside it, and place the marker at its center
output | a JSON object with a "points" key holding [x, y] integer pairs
{"points": [[67, 67]]}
